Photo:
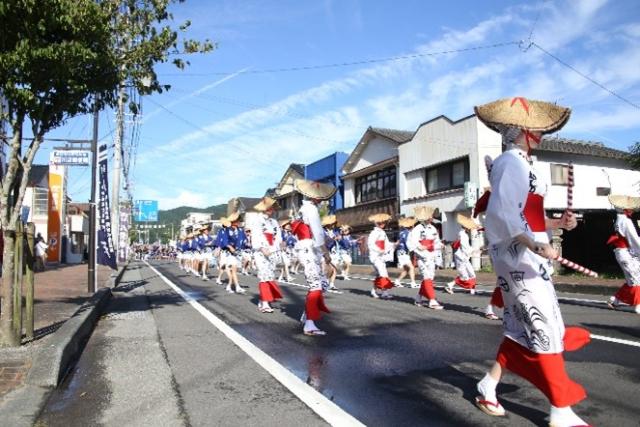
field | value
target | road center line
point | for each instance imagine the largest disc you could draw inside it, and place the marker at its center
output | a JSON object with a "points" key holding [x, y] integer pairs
{"points": [[326, 409]]}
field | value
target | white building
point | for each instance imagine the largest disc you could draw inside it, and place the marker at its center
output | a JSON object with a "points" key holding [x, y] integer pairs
{"points": [[288, 199], [195, 220], [371, 177], [445, 156]]}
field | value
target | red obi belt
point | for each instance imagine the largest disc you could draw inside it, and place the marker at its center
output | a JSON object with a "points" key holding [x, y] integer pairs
{"points": [[617, 241], [380, 244], [269, 238], [534, 212], [301, 230], [456, 245], [427, 244]]}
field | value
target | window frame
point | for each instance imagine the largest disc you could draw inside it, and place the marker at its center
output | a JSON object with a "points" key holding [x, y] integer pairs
{"points": [[37, 201], [379, 185], [447, 169], [565, 173]]}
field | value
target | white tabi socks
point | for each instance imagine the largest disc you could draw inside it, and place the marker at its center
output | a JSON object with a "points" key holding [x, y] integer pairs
{"points": [[309, 325], [564, 417], [487, 388]]}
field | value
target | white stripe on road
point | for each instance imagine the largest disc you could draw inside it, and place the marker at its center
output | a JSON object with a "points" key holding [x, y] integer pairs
{"points": [[327, 410], [615, 340]]}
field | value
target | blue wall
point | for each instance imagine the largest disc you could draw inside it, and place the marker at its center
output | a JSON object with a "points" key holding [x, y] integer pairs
{"points": [[329, 169]]}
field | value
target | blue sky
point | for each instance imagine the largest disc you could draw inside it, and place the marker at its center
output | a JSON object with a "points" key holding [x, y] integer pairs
{"points": [[232, 131]]}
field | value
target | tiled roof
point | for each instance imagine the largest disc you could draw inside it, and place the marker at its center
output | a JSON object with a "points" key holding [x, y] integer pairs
{"points": [[298, 167], [394, 134], [586, 148]]}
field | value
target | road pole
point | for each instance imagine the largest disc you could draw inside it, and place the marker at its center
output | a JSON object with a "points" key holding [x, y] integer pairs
{"points": [[92, 205]]}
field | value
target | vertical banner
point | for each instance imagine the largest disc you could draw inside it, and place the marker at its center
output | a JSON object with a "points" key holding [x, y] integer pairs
{"points": [[125, 226], [54, 220], [106, 251]]}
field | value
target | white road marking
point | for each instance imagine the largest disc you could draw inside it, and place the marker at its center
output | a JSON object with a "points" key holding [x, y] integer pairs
{"points": [[615, 340], [326, 409]]}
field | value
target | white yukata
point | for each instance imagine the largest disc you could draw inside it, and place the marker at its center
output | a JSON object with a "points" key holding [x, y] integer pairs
{"points": [[380, 252], [425, 235], [266, 235], [462, 258], [531, 312], [308, 229], [627, 251]]}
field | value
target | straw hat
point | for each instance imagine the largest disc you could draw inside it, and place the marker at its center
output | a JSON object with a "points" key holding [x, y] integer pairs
{"points": [[379, 217], [225, 221], [467, 222], [345, 227], [624, 202], [233, 217], [284, 222], [407, 222], [314, 190], [423, 213], [329, 219], [535, 116], [266, 203]]}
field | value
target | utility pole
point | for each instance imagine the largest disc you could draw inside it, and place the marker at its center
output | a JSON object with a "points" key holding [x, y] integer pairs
{"points": [[92, 282], [117, 168]]}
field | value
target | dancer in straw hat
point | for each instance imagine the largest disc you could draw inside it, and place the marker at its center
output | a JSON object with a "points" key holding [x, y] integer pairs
{"points": [[286, 246], [424, 241], [345, 244], [230, 241], [516, 228], [330, 236], [462, 257], [380, 252], [312, 251], [207, 242], [266, 241], [626, 244], [402, 252]]}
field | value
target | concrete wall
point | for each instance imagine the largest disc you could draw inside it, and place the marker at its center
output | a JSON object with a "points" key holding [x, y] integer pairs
{"points": [[376, 150]]}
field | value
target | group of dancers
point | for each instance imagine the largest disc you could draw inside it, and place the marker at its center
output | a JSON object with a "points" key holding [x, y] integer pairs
{"points": [[517, 232]]}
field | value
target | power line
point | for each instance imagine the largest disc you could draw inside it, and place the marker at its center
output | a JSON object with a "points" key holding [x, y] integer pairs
{"points": [[348, 64], [620, 97]]}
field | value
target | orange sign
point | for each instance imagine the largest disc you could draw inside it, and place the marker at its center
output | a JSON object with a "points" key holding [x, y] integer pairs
{"points": [[54, 223]]}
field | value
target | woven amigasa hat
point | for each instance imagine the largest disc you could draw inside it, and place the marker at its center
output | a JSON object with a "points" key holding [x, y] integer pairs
{"points": [[379, 217], [314, 190], [423, 213], [407, 222], [345, 227], [284, 222], [624, 202], [522, 113], [266, 203], [467, 222], [224, 221], [328, 220], [233, 217]]}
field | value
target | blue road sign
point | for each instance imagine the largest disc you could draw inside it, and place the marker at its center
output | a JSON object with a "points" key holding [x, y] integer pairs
{"points": [[146, 210]]}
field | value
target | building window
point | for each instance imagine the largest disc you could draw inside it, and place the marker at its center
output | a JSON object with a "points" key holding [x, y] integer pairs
{"points": [[603, 191], [448, 176], [376, 186], [40, 201], [284, 202], [559, 174]]}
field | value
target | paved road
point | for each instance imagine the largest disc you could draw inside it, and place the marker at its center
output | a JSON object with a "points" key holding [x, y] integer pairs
{"points": [[384, 362]]}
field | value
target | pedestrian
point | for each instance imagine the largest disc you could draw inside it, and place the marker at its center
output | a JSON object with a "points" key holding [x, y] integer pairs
{"points": [[405, 264], [626, 247], [380, 252], [517, 231], [424, 241], [41, 254], [466, 277], [267, 241], [312, 251]]}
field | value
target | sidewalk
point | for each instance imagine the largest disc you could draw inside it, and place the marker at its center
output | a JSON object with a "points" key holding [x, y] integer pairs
{"points": [[59, 292], [569, 283]]}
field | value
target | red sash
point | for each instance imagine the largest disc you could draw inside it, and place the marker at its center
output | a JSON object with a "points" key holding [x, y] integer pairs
{"points": [[456, 245], [269, 238], [301, 230], [617, 241], [534, 212], [428, 244], [380, 244]]}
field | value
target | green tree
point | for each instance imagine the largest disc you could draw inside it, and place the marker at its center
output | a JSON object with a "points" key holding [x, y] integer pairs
{"points": [[54, 55], [634, 156]]}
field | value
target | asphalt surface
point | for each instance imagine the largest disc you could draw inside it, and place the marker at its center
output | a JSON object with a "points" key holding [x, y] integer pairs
{"points": [[387, 363]]}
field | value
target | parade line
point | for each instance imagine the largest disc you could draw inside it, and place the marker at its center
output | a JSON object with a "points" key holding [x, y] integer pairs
{"points": [[326, 409]]}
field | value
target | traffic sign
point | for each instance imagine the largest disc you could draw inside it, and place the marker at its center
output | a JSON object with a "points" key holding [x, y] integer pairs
{"points": [[145, 210]]}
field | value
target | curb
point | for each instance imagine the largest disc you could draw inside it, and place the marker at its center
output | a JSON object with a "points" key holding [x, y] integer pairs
{"points": [[51, 363]]}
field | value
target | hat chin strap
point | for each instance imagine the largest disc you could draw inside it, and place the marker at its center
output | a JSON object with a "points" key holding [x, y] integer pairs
{"points": [[529, 136]]}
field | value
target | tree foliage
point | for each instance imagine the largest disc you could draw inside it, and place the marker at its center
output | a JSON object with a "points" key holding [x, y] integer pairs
{"points": [[634, 156]]}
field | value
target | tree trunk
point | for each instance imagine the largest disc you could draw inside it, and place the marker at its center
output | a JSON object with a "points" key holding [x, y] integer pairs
{"points": [[9, 336]]}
